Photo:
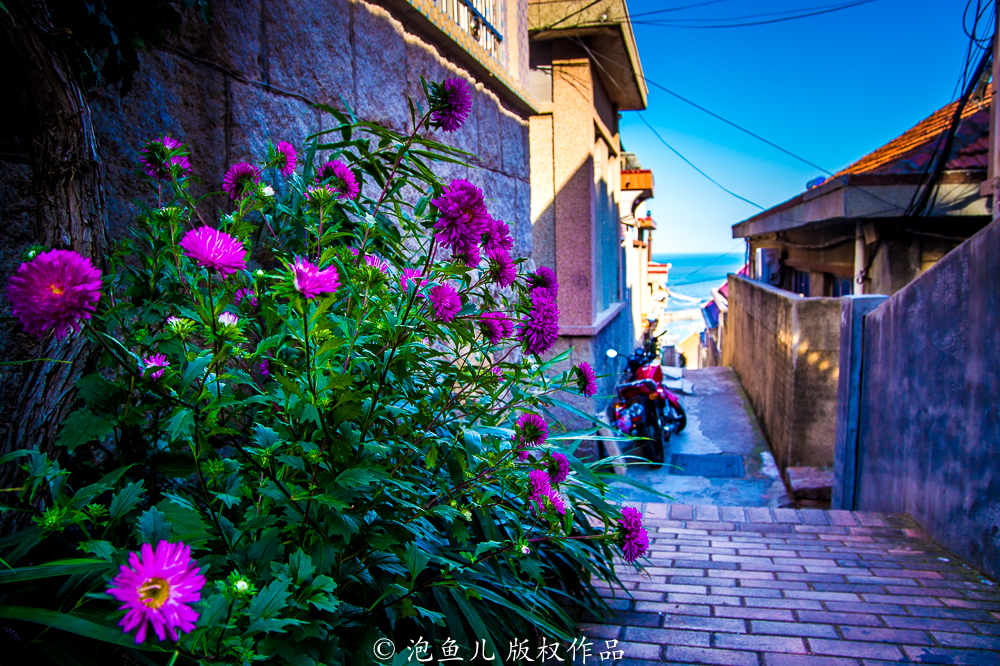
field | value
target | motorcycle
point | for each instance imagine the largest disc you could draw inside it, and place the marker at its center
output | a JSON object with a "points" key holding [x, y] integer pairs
{"points": [[644, 407]]}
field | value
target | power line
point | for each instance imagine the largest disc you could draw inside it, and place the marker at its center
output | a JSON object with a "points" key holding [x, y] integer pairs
{"points": [[836, 7], [673, 24], [677, 9], [692, 165]]}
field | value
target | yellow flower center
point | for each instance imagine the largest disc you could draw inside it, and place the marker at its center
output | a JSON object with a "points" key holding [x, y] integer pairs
{"points": [[154, 592], [56, 289]]}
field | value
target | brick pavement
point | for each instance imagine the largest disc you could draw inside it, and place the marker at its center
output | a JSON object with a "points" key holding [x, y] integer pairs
{"points": [[784, 587]]}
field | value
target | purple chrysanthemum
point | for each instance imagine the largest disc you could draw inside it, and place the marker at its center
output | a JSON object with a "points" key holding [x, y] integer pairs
{"points": [[455, 103], [377, 262], [240, 180], [55, 290], [586, 379], [157, 162], [265, 368], [215, 250], [468, 254], [501, 269], [158, 589], [534, 429], [446, 302], [523, 455], [154, 361], [497, 238], [229, 319], [558, 468], [632, 535], [285, 158], [496, 326], [411, 277], [312, 282], [247, 294], [544, 280], [341, 178], [541, 489], [462, 216], [541, 329]]}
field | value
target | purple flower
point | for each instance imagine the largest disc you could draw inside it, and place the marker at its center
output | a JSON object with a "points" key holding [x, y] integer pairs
{"points": [[376, 262], [158, 589], [247, 294], [462, 216], [411, 276], [523, 455], [558, 468], [632, 535], [496, 326], [454, 104], [586, 379], [341, 178], [540, 490], [497, 237], [285, 158], [265, 368], [501, 268], [446, 302], [534, 429], [541, 329], [468, 254], [544, 280], [154, 361], [229, 319], [311, 282], [55, 290], [215, 250], [240, 180], [157, 162]]}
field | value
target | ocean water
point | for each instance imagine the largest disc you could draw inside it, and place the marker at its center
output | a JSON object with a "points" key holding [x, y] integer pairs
{"points": [[691, 280]]}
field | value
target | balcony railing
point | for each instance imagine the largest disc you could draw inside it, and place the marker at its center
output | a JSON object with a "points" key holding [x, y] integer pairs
{"points": [[482, 20]]}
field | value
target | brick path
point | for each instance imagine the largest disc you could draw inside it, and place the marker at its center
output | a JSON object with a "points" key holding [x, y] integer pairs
{"points": [[784, 587]]}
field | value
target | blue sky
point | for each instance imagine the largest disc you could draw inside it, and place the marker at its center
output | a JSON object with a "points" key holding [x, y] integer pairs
{"points": [[830, 88]]}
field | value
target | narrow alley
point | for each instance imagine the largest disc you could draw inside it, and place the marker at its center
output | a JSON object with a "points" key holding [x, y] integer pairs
{"points": [[736, 578], [721, 456]]}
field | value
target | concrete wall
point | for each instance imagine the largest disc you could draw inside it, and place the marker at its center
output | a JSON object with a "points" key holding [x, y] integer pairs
{"points": [[928, 431], [785, 349]]}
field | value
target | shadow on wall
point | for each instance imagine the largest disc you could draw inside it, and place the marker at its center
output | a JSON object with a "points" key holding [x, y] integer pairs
{"points": [[785, 349], [926, 430]]}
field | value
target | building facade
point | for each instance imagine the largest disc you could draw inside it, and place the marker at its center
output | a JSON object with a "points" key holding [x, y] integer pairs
{"points": [[584, 71]]}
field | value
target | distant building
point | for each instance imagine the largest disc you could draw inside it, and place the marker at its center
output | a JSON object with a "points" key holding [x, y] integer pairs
{"points": [[864, 223]]}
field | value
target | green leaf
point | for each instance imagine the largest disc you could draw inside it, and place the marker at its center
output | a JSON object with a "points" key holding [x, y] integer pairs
{"points": [[126, 499], [50, 570], [485, 546], [102, 549], [194, 370], [74, 625], [82, 427], [153, 526], [415, 559], [269, 602]]}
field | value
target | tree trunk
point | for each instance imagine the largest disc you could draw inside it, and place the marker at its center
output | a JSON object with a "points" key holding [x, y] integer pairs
{"points": [[67, 180]]}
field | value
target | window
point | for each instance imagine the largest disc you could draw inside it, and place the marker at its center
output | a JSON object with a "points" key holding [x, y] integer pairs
{"points": [[800, 282], [483, 20], [840, 286]]}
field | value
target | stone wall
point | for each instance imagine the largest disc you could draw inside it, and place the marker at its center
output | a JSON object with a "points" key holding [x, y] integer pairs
{"points": [[785, 349], [928, 430], [250, 76]]}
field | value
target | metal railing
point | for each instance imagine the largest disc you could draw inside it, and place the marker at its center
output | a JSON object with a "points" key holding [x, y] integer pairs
{"points": [[482, 20]]}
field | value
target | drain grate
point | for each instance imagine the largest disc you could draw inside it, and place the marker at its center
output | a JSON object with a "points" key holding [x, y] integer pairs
{"points": [[713, 467]]}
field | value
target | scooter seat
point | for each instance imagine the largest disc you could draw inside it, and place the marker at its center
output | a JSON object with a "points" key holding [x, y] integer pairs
{"points": [[637, 388]]}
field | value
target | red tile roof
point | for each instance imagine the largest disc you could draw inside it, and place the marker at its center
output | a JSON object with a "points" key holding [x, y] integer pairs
{"points": [[913, 149]]}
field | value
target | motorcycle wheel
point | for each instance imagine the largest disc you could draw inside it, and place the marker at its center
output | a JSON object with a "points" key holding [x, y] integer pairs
{"points": [[655, 429], [683, 418]]}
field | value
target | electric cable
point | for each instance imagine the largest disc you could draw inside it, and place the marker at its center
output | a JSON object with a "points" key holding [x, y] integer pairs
{"points": [[837, 7], [693, 166], [677, 9]]}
